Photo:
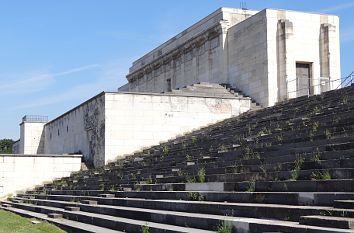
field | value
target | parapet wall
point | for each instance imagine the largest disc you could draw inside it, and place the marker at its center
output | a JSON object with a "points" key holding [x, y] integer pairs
{"points": [[21, 172], [137, 120]]}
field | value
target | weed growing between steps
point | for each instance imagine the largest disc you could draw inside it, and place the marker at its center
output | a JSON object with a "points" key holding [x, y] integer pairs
{"points": [[297, 168], [12, 223], [195, 196], [201, 175], [145, 229], [225, 228], [325, 175], [251, 187], [316, 156]]}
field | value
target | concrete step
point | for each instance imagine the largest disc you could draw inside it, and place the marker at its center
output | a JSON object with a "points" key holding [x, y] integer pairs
{"points": [[240, 224], [338, 185], [328, 221], [66, 224], [289, 198], [254, 210], [111, 222], [344, 204]]}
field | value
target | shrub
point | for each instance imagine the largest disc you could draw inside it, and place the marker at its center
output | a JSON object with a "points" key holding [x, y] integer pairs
{"points": [[251, 185], [325, 175], [297, 168], [145, 228], [194, 140], [201, 175], [195, 196], [164, 152], [316, 155], [225, 228]]}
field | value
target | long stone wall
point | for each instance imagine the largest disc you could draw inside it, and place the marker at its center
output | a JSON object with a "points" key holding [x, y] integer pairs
{"points": [[111, 125], [21, 172], [134, 121], [81, 130]]}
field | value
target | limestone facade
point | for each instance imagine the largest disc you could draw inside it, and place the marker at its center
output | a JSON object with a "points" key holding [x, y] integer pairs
{"points": [[260, 53]]}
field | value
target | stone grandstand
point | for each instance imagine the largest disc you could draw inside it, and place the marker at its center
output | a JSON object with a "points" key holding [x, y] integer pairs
{"points": [[286, 168]]}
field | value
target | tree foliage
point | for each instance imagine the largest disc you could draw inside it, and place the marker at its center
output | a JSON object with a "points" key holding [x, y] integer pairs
{"points": [[6, 146]]}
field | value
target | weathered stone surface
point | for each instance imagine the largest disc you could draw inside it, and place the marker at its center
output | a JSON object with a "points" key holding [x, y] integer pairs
{"points": [[272, 182], [55, 215]]}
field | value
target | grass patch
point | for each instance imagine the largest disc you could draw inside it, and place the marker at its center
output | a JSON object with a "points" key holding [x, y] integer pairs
{"points": [[13, 223], [325, 175]]}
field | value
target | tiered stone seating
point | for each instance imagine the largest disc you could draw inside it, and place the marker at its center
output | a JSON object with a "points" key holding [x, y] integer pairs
{"points": [[287, 168]]}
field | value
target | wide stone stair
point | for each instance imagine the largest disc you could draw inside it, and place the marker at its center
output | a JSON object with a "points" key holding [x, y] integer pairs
{"points": [[287, 168]]}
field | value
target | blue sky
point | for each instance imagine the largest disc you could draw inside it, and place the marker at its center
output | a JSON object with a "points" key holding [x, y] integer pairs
{"points": [[56, 54]]}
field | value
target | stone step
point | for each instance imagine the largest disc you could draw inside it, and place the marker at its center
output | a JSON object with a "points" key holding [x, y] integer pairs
{"points": [[72, 208], [328, 221], [240, 224], [241, 197], [89, 202], [111, 222], [279, 166], [289, 198], [339, 185], [68, 225], [196, 205], [55, 215], [344, 204], [313, 174]]}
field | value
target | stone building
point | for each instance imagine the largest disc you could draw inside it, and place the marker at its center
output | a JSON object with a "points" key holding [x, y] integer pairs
{"points": [[270, 55], [195, 79]]}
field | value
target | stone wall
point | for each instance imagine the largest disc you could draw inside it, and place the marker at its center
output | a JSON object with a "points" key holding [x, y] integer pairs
{"points": [[134, 121], [196, 55], [81, 130], [305, 38], [247, 57], [255, 52], [21, 172], [114, 124]]}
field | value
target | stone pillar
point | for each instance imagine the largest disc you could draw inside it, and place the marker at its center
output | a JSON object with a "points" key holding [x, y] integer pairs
{"points": [[333, 56], [224, 56], [286, 64]]}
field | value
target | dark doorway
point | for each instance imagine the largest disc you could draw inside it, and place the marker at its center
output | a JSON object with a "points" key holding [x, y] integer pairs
{"points": [[303, 79], [169, 86]]}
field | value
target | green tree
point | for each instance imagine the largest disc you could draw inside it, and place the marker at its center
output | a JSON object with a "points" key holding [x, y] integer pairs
{"points": [[6, 146]]}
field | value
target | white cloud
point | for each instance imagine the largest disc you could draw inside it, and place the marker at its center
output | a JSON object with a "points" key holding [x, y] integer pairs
{"points": [[108, 79], [77, 69], [338, 7], [34, 81], [24, 82]]}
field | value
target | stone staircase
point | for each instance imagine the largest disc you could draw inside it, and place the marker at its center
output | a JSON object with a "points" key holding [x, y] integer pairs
{"points": [[238, 93], [287, 168]]}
